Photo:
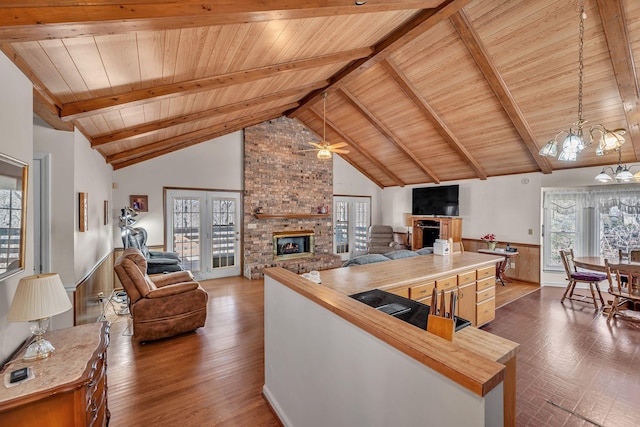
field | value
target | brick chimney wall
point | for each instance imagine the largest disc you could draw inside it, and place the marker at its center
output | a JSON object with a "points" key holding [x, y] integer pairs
{"points": [[282, 180]]}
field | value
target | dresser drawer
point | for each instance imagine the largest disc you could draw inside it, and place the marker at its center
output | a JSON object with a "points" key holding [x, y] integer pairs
{"points": [[402, 292], [447, 283], [466, 278], [418, 292], [486, 284], [485, 311], [486, 272], [485, 294]]}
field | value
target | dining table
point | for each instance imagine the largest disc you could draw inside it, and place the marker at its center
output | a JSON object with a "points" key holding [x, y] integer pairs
{"points": [[596, 263]]}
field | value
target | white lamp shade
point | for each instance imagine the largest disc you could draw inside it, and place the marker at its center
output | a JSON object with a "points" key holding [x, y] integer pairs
{"points": [[38, 297]]}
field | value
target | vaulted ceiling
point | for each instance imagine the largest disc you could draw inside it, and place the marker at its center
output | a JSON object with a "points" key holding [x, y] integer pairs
{"points": [[422, 91]]}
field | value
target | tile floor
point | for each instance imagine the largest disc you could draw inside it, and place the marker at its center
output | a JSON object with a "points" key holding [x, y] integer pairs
{"points": [[573, 368]]}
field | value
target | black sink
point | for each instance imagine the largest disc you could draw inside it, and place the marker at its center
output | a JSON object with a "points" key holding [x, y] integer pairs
{"points": [[402, 308]]}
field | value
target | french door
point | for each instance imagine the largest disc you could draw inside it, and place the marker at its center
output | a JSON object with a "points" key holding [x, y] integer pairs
{"points": [[203, 227], [351, 220]]}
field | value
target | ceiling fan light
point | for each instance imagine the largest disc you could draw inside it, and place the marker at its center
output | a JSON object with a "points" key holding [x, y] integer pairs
{"points": [[324, 154], [603, 177], [550, 149]]}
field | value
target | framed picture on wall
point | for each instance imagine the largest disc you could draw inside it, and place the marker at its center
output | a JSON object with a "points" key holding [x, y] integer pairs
{"points": [[139, 203], [106, 212], [83, 208]]}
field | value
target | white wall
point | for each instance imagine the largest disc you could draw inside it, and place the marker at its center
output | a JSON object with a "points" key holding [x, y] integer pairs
{"points": [[91, 175], [213, 165], [508, 206], [16, 112], [348, 181], [59, 145]]}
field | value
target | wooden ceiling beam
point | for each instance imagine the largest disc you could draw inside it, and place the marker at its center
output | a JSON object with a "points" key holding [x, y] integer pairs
{"points": [[78, 109], [361, 151], [384, 130], [146, 129], [47, 111], [617, 36], [185, 140], [412, 92], [407, 33], [474, 45], [39, 20]]}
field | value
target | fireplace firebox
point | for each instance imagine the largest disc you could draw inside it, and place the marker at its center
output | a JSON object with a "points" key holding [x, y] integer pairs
{"points": [[292, 244]]}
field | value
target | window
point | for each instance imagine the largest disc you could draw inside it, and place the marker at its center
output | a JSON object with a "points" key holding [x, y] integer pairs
{"points": [[594, 222]]}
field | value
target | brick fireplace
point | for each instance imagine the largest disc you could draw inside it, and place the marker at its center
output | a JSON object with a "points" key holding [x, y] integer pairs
{"points": [[289, 186]]}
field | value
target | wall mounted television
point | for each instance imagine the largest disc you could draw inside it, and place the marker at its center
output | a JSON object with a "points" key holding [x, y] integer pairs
{"points": [[440, 200]]}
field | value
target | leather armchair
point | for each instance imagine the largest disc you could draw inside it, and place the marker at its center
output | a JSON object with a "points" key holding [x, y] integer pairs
{"points": [[157, 261], [161, 306], [380, 240]]}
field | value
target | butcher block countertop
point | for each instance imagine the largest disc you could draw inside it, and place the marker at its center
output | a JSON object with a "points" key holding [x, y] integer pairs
{"points": [[474, 359]]}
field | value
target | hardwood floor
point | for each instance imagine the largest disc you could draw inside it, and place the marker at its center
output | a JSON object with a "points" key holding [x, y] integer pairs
{"points": [[570, 360], [213, 376], [512, 291]]}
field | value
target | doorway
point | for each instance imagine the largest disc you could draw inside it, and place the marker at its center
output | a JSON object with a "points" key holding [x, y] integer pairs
{"points": [[42, 213], [351, 220], [203, 227]]}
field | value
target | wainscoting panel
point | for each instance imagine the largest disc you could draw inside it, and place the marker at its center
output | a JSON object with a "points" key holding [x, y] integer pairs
{"points": [[527, 263], [87, 305]]}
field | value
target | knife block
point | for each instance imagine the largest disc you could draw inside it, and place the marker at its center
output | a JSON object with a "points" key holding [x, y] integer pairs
{"points": [[441, 326]]}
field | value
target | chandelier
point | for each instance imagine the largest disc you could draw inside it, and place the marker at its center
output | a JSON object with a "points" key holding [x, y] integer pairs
{"points": [[578, 137], [621, 174]]}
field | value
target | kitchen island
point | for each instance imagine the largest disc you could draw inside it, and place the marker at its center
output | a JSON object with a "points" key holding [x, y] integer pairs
{"points": [[331, 360]]}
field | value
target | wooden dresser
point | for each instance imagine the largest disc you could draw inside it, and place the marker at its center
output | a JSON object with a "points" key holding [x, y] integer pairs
{"points": [[70, 386]]}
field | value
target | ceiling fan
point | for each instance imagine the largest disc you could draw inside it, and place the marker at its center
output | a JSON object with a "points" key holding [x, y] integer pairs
{"points": [[323, 147]]}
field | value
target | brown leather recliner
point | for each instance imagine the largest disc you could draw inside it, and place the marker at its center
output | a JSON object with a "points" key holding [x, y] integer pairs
{"points": [[161, 306]]}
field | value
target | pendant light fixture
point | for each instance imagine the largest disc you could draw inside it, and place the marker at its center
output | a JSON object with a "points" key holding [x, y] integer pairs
{"points": [[576, 139], [621, 174]]}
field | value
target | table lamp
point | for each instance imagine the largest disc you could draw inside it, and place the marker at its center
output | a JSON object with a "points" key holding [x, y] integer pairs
{"points": [[37, 299], [408, 222]]}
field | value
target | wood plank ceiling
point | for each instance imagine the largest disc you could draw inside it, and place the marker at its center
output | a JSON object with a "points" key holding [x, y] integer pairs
{"points": [[422, 91]]}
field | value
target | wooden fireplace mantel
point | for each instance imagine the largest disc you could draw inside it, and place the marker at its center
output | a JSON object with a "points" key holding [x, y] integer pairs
{"points": [[290, 216]]}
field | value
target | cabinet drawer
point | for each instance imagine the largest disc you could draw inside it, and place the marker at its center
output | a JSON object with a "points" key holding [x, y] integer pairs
{"points": [[486, 284], [485, 294], [485, 311], [402, 292], [447, 283], [418, 292], [425, 301], [486, 272], [466, 278]]}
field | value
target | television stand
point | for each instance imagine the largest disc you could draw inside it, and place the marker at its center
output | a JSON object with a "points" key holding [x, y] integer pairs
{"points": [[427, 228]]}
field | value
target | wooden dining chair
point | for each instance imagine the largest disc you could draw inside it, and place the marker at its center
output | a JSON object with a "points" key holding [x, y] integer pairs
{"points": [[624, 291], [574, 277]]}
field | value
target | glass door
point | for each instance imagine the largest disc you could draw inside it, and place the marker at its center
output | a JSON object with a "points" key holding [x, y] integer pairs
{"points": [[203, 227], [351, 220]]}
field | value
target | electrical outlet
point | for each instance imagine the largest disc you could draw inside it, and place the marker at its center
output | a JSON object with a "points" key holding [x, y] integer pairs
{"points": [[513, 265]]}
